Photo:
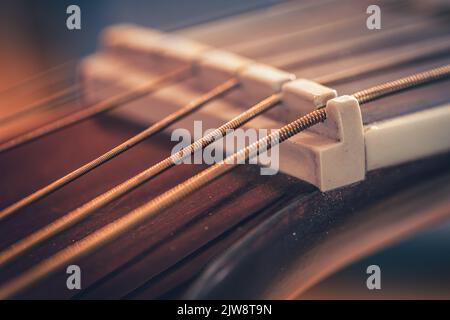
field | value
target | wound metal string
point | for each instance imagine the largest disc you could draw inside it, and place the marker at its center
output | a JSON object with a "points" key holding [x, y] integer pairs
{"points": [[142, 214], [97, 108], [85, 210], [153, 129]]}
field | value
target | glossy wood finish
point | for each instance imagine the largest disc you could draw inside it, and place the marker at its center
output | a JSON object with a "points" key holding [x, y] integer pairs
{"points": [[162, 258], [215, 211], [163, 255]]}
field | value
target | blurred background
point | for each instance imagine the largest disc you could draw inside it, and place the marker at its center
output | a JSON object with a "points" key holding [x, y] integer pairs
{"points": [[34, 38]]}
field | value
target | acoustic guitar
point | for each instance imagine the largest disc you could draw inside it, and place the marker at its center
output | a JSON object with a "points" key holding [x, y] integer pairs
{"points": [[248, 157]]}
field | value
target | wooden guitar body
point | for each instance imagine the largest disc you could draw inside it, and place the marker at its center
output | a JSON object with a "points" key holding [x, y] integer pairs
{"points": [[244, 235]]}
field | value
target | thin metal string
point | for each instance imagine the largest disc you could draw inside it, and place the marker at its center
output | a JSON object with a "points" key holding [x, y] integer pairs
{"points": [[39, 77], [100, 107], [294, 59], [60, 97], [136, 217], [153, 129], [385, 63], [284, 60], [86, 209], [405, 83]]}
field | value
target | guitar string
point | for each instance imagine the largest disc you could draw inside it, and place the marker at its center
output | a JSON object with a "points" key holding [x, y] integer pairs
{"points": [[299, 57], [279, 10], [43, 103], [73, 92], [103, 199], [276, 11], [393, 60], [89, 207], [98, 108], [61, 97], [258, 46], [245, 26], [408, 82], [289, 31], [286, 36], [325, 80], [142, 214], [162, 124], [38, 77]]}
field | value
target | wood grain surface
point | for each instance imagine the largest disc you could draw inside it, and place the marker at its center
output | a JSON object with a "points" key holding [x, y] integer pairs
{"points": [[161, 256]]}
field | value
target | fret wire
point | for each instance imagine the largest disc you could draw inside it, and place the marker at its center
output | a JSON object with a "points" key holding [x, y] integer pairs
{"points": [[98, 108], [86, 209], [117, 228], [162, 124]]}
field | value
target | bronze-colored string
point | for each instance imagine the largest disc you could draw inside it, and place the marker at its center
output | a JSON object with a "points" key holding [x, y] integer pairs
{"points": [[85, 210], [113, 230], [58, 98], [97, 108], [153, 129]]}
